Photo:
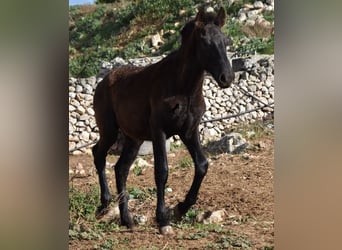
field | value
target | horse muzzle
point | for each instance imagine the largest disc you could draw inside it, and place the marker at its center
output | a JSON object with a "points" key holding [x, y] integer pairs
{"points": [[225, 79]]}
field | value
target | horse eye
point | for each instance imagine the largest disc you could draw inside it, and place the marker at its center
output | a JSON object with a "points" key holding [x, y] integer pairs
{"points": [[205, 39]]}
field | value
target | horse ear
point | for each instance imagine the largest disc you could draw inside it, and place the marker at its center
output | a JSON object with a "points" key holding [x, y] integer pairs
{"points": [[221, 17], [200, 17]]}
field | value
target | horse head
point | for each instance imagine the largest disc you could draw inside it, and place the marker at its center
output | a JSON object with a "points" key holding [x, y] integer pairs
{"points": [[211, 45]]}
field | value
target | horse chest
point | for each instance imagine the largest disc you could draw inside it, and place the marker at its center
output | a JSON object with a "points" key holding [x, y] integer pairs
{"points": [[179, 114]]}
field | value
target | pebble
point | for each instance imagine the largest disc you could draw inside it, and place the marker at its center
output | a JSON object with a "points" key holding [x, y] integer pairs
{"points": [[211, 217], [258, 5], [79, 89]]}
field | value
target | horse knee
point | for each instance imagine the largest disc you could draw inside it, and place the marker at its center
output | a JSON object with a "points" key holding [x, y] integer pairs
{"points": [[202, 168], [99, 161]]}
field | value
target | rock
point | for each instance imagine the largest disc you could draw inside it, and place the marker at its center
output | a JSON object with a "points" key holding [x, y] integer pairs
{"points": [[211, 217], [258, 5], [71, 108], [90, 111], [252, 15], [79, 88], [72, 144], [212, 132], [93, 136], [72, 94], [140, 219], [268, 83], [92, 80], [113, 213], [88, 89], [80, 110], [250, 134], [118, 61], [242, 17], [182, 12], [232, 143], [156, 40], [209, 9], [84, 117], [269, 8], [84, 136], [246, 156], [140, 162], [147, 148], [262, 144], [248, 6]]}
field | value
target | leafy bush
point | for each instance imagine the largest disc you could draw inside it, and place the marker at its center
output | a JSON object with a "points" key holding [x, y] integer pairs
{"points": [[257, 45]]}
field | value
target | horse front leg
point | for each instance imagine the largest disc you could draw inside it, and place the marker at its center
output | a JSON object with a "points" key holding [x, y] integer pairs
{"points": [[161, 175], [201, 166]]}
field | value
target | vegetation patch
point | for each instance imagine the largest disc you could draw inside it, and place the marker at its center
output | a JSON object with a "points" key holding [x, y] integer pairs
{"points": [[124, 28]]}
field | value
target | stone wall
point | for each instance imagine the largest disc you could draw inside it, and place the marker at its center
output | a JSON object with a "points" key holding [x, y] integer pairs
{"points": [[257, 78]]}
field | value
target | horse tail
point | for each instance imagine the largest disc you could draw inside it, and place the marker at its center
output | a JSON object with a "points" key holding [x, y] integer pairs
{"points": [[105, 117]]}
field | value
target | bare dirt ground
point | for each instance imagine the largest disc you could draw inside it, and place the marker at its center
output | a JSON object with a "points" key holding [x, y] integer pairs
{"points": [[241, 184]]}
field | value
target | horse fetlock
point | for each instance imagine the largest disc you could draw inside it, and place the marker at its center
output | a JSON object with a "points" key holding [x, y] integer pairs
{"points": [[128, 222], [179, 211], [106, 199]]}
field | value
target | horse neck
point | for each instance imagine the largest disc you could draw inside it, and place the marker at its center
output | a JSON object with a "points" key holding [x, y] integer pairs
{"points": [[191, 73]]}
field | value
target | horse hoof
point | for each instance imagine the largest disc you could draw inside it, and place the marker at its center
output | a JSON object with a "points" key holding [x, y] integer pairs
{"points": [[166, 230], [132, 228], [100, 212]]}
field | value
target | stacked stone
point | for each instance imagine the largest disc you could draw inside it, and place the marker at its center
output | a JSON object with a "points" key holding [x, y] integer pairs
{"points": [[257, 79], [82, 125], [250, 13]]}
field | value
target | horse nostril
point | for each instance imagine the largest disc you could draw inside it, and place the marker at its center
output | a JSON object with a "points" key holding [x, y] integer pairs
{"points": [[223, 78]]}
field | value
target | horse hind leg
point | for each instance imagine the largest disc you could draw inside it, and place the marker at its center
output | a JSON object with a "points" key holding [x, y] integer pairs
{"points": [[127, 157], [108, 135]]}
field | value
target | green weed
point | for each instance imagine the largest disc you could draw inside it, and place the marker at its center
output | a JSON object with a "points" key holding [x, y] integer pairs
{"points": [[136, 193], [231, 241], [107, 244], [82, 205], [186, 162]]}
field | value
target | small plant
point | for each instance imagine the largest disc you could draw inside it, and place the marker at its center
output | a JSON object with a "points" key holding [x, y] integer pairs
{"points": [[107, 245], [258, 129], [231, 241], [175, 146], [136, 193], [186, 162], [82, 205], [269, 16], [137, 170], [257, 45]]}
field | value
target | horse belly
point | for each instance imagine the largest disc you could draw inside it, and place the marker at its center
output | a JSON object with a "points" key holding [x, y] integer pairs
{"points": [[134, 121]]}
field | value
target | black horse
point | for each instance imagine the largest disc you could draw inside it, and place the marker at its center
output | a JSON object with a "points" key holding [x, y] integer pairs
{"points": [[156, 102]]}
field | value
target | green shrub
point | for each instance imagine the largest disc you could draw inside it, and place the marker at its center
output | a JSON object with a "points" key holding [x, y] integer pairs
{"points": [[257, 45]]}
